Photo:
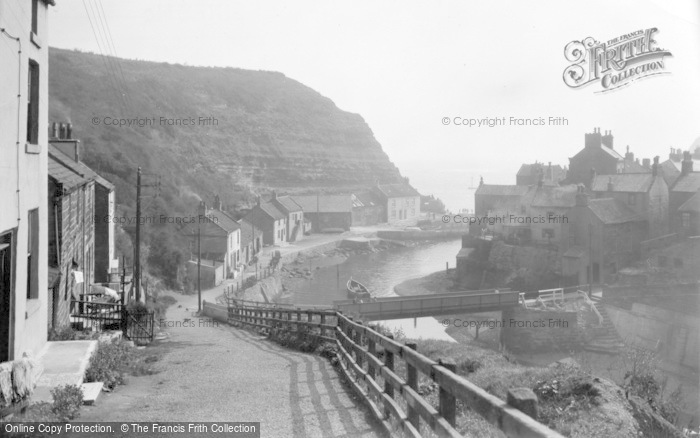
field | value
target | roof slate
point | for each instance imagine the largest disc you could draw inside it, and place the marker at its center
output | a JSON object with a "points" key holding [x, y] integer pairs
{"points": [[692, 204], [611, 211], [77, 167], [555, 196], [624, 182], [288, 204], [501, 190], [397, 190], [224, 221], [324, 203], [690, 182]]}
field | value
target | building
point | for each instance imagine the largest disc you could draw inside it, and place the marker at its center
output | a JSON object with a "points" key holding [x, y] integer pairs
{"points": [[401, 201], [645, 193], [23, 177], [605, 236], [689, 216], [220, 237], [71, 235], [326, 212], [367, 208], [272, 222], [550, 214], [671, 168], [530, 174], [683, 189], [251, 241], [295, 216]]}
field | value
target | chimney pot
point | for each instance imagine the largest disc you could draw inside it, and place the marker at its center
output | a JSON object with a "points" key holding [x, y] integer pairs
{"points": [[69, 131], [54, 130], [62, 131]]}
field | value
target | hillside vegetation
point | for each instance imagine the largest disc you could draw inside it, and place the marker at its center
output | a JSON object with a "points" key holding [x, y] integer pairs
{"points": [[271, 132]]}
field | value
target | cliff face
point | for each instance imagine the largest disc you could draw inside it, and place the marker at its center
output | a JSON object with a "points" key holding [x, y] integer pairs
{"points": [[210, 130]]}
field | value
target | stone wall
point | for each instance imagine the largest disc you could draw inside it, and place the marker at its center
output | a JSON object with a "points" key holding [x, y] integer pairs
{"points": [[539, 331]]}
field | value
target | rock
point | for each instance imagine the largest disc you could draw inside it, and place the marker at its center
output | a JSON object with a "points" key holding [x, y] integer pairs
{"points": [[524, 400]]}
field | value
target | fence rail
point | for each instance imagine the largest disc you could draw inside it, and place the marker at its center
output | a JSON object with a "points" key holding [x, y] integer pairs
{"points": [[369, 360]]}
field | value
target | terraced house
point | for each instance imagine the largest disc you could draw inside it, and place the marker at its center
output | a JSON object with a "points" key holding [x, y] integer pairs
{"points": [[23, 176], [402, 203]]}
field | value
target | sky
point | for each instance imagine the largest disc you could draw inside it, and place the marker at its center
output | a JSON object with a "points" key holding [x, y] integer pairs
{"points": [[406, 65]]}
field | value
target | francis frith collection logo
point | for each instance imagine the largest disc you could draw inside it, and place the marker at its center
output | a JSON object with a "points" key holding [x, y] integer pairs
{"points": [[614, 63]]}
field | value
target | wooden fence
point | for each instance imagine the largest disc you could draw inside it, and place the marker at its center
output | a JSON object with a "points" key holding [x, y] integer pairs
{"points": [[369, 360]]}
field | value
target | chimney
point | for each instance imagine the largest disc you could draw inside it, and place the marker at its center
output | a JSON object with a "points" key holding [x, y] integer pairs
{"points": [[69, 131], [202, 209], [54, 130], [217, 203], [611, 186], [655, 166], [607, 139], [481, 181], [646, 162], [62, 131], [550, 175], [274, 195], [593, 140], [629, 155], [581, 197], [686, 164]]}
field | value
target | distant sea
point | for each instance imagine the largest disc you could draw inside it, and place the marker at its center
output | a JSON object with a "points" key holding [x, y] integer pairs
{"points": [[455, 187]]}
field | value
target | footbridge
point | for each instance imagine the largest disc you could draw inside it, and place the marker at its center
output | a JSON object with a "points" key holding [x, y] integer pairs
{"points": [[475, 301]]}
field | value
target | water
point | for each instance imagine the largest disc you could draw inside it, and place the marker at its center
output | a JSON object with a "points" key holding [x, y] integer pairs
{"points": [[381, 272]]}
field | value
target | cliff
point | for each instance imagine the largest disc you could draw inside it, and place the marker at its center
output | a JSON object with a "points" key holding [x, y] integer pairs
{"points": [[210, 130]]}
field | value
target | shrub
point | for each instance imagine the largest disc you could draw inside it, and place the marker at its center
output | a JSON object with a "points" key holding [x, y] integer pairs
{"points": [[109, 363], [62, 333], [67, 400]]}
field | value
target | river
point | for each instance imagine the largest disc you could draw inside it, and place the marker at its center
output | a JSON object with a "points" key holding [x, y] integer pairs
{"points": [[381, 272]]}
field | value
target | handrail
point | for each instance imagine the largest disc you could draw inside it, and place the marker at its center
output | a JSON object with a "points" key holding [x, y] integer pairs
{"points": [[592, 305], [360, 362]]}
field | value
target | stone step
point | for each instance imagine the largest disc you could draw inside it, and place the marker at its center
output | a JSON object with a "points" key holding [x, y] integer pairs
{"points": [[91, 391]]}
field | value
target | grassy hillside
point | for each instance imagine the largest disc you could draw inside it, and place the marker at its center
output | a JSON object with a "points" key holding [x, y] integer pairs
{"points": [[271, 133]]}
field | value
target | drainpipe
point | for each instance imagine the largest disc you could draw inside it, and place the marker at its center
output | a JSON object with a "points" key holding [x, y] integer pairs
{"points": [[19, 108]]}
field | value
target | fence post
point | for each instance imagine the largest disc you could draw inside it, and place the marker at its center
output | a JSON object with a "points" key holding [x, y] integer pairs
{"points": [[357, 339], [448, 403], [388, 388], [298, 320], [412, 380], [323, 321], [125, 322], [371, 349]]}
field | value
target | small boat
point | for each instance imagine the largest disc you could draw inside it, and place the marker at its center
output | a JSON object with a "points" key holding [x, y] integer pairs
{"points": [[357, 290]]}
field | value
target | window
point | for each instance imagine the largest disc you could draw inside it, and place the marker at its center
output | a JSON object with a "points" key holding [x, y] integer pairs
{"points": [[632, 199], [548, 233], [33, 103], [685, 220], [33, 254], [35, 18]]}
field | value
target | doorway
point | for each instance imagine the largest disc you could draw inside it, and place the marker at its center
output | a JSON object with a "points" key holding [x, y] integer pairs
{"points": [[6, 299]]}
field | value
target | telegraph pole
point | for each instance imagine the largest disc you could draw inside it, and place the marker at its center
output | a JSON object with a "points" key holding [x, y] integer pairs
{"points": [[199, 264], [137, 246]]}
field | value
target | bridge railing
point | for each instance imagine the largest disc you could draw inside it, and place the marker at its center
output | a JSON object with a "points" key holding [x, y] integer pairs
{"points": [[432, 305], [370, 362]]}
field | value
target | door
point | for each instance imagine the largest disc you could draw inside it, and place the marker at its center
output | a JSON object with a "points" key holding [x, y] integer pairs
{"points": [[6, 300]]}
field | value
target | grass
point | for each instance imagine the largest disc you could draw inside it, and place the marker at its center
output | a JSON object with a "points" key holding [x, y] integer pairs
{"points": [[112, 362]]}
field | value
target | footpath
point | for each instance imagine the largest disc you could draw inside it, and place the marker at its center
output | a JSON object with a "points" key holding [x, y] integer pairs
{"points": [[214, 372]]}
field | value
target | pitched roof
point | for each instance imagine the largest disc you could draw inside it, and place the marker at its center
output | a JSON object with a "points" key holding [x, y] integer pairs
{"points": [[67, 176], [247, 231], [324, 203], [692, 204], [630, 166], [555, 196], [611, 211], [76, 166], [612, 152], [366, 198], [624, 182], [501, 190], [397, 190], [690, 182], [223, 220], [535, 168], [286, 204], [272, 211], [669, 171]]}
